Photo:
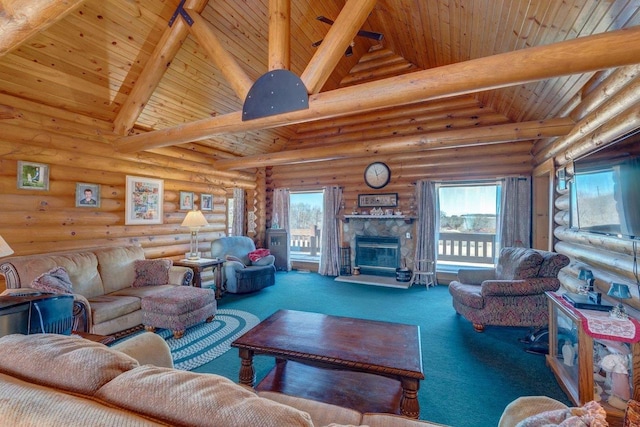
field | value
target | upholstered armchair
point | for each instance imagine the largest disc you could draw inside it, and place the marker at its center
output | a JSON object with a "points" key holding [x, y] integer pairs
{"points": [[512, 294], [240, 273]]}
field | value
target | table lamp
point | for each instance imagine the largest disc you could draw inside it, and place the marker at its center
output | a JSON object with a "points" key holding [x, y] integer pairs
{"points": [[5, 249], [619, 291], [587, 276], [194, 220]]}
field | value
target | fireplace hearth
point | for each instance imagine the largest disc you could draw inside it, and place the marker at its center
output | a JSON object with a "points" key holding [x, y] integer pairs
{"points": [[378, 255]]}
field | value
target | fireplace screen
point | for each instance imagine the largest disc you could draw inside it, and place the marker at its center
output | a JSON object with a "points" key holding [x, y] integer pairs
{"points": [[378, 255]]}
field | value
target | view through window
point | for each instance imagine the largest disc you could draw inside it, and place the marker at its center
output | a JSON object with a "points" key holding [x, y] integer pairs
{"points": [[305, 225], [468, 218]]}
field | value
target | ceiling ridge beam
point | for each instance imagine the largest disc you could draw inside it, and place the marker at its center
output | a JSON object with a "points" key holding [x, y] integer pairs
{"points": [[586, 54], [435, 140], [153, 71]]}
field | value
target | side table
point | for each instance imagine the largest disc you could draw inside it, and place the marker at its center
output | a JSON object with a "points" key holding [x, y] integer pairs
{"points": [[102, 339], [199, 265]]}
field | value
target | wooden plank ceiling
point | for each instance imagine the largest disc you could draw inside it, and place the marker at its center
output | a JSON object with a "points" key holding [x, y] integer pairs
{"points": [[89, 60]]}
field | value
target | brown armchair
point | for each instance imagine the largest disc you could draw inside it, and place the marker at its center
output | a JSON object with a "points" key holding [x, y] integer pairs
{"points": [[512, 294]]}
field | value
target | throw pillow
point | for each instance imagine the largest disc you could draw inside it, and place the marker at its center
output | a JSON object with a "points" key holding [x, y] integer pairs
{"points": [[56, 281], [152, 272], [234, 258], [258, 253]]}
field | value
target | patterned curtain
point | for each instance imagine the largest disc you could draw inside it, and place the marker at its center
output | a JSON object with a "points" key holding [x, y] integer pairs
{"points": [[330, 246], [237, 226], [426, 235], [281, 213], [515, 213]]}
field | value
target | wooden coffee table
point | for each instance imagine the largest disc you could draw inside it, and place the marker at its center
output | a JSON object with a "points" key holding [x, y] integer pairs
{"points": [[367, 365]]}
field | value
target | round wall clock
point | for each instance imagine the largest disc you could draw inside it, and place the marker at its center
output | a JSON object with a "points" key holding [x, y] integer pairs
{"points": [[377, 175]]}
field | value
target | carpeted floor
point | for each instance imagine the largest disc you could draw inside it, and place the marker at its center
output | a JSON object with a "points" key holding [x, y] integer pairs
{"points": [[470, 377]]}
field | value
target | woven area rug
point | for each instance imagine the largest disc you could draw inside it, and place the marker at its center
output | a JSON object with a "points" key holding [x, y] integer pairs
{"points": [[204, 342]]}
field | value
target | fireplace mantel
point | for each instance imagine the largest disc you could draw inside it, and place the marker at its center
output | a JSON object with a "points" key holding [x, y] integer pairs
{"points": [[407, 219]]}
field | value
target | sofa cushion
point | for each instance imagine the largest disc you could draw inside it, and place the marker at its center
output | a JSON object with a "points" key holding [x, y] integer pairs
{"points": [[82, 268], [151, 272], [54, 360], [321, 413], [518, 263], [107, 307], [389, 420], [56, 281], [26, 404], [202, 399], [116, 266]]}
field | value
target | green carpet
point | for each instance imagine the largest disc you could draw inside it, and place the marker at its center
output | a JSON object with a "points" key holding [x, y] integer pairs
{"points": [[469, 377]]}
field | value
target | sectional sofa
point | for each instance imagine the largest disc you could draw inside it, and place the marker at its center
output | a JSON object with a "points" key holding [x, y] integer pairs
{"points": [[101, 280]]}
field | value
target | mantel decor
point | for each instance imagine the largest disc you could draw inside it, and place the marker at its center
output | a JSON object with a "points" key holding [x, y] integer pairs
{"points": [[144, 200], [386, 200]]}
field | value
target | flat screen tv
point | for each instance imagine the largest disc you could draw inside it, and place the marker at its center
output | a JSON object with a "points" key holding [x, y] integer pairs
{"points": [[606, 189]]}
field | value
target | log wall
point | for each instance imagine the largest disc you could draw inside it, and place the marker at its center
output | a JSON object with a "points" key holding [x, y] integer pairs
{"points": [[609, 109], [78, 149]]}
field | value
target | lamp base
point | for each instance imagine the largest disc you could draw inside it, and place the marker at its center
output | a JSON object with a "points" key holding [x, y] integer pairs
{"points": [[618, 312], [192, 256]]}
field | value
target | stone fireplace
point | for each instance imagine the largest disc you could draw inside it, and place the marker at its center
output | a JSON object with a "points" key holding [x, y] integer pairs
{"points": [[388, 237]]}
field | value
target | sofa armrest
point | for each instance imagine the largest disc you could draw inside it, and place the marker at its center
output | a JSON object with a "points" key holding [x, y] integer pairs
{"points": [[82, 320], [147, 348], [475, 276], [180, 275], [533, 286]]}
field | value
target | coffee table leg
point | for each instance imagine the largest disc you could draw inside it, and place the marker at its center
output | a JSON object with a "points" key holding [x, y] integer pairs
{"points": [[409, 405], [247, 373]]}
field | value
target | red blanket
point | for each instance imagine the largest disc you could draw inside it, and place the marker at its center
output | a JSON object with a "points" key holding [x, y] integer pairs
{"points": [[258, 253]]}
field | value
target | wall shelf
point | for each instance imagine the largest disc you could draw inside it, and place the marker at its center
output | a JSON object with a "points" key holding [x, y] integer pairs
{"points": [[405, 218]]}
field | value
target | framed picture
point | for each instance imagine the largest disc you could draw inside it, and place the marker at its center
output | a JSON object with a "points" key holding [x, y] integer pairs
{"points": [[144, 200], [186, 200], [87, 195], [206, 202], [386, 200], [33, 176]]}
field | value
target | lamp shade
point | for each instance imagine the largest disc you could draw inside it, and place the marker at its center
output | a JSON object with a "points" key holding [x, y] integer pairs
{"points": [[619, 290], [585, 274], [5, 249], [194, 219]]}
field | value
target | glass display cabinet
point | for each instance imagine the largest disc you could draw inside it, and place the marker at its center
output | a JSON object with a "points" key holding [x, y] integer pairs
{"points": [[591, 365]]}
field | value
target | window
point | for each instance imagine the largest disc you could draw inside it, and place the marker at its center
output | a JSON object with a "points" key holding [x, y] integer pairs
{"points": [[467, 223], [305, 225]]}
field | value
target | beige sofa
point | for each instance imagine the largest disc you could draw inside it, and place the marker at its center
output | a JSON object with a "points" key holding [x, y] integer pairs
{"points": [[67, 380], [102, 279]]}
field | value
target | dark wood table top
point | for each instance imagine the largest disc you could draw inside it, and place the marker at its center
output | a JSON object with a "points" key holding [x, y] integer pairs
{"points": [[391, 349]]}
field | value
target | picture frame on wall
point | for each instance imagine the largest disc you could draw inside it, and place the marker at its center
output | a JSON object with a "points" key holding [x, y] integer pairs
{"points": [[383, 200], [144, 200], [87, 195], [186, 200], [33, 176], [206, 202]]}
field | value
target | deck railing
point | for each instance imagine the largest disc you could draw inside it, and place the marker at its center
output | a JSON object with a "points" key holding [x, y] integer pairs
{"points": [[467, 247], [305, 241]]}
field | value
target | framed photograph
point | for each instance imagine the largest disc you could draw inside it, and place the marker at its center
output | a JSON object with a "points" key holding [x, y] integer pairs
{"points": [[186, 200], [144, 200], [386, 200], [87, 195], [206, 202], [33, 176]]}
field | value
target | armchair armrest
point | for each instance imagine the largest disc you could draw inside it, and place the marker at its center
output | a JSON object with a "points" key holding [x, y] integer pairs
{"points": [[266, 260], [533, 286], [475, 276]]}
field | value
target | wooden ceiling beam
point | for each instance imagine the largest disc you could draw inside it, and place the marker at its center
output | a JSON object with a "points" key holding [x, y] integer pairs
{"points": [[279, 34], [344, 29], [585, 54], [435, 140], [230, 68], [154, 69], [22, 19]]}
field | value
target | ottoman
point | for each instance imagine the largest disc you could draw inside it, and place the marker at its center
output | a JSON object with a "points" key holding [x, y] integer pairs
{"points": [[178, 308]]}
